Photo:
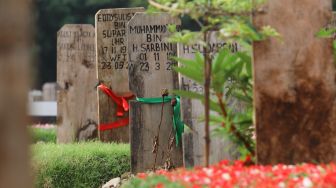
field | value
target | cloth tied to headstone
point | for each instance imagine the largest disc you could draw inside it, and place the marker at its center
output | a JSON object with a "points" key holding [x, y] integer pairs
{"points": [[122, 107], [177, 123]]}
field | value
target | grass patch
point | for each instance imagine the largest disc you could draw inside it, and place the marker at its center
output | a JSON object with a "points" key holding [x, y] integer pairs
{"points": [[87, 164], [43, 134]]}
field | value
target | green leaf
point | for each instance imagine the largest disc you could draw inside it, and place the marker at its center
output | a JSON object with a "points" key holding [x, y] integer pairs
{"points": [[199, 58], [188, 94], [242, 97], [219, 58], [192, 95], [190, 73], [172, 28], [326, 32], [246, 58], [190, 63], [215, 106], [223, 75], [217, 119]]}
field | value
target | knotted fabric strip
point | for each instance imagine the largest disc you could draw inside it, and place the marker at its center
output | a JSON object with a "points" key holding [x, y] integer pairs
{"points": [[122, 107], [177, 123]]}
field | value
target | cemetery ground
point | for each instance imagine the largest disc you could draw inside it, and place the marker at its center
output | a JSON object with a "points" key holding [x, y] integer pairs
{"points": [[92, 164]]}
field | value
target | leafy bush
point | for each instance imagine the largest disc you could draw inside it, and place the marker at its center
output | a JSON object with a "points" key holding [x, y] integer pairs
{"points": [[43, 134], [78, 165], [224, 76]]}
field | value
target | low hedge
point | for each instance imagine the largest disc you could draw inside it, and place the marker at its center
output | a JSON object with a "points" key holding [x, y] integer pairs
{"points": [[43, 134], [78, 165]]}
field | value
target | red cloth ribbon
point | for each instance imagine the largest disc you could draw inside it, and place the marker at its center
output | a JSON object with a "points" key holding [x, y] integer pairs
{"points": [[113, 125], [122, 107]]}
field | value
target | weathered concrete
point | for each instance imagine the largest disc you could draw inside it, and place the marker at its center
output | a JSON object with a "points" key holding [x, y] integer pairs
{"points": [[294, 85]]}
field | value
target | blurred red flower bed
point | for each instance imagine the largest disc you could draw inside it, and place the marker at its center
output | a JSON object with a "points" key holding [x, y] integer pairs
{"points": [[225, 174]]}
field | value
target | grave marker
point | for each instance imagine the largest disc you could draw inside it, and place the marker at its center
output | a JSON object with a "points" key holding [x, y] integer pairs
{"points": [[294, 85], [150, 72], [15, 61], [49, 91], [193, 110], [76, 78], [112, 69]]}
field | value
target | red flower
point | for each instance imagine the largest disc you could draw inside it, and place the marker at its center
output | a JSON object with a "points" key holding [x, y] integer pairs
{"points": [[160, 185], [142, 175], [238, 175]]}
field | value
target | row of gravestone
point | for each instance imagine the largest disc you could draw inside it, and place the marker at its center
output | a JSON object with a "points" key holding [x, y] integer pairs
{"points": [[128, 54], [48, 93]]}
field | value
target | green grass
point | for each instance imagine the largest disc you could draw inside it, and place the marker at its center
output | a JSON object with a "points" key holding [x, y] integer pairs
{"points": [[43, 135], [86, 165]]}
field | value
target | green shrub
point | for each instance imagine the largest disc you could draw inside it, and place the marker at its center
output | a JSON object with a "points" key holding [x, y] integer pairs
{"points": [[43, 135], [78, 165]]}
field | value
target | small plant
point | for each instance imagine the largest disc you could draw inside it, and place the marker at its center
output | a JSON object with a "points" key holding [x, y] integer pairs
{"points": [[223, 74]]}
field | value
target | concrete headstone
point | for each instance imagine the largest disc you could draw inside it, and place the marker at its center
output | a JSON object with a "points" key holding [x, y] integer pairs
{"points": [[76, 79], [49, 92], [151, 71], [112, 68], [193, 110], [294, 85]]}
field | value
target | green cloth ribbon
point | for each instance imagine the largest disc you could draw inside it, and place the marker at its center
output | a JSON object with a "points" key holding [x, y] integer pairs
{"points": [[178, 124]]}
